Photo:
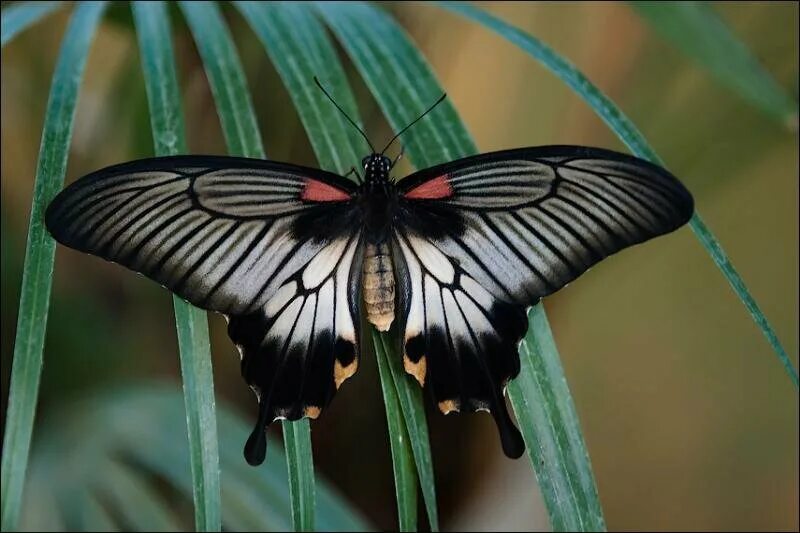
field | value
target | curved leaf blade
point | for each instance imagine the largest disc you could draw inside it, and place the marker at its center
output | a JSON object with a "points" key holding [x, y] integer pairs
{"points": [[139, 505], [169, 138], [37, 276], [141, 423], [700, 33], [19, 17], [226, 77], [541, 399], [630, 135], [405, 473]]}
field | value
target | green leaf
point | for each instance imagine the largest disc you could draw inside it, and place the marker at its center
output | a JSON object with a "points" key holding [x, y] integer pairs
{"points": [[297, 438], [19, 17], [412, 405], [169, 138], [37, 275], [225, 74], [541, 399], [139, 506], [298, 46], [235, 109], [701, 34], [74, 463], [630, 135], [405, 474], [404, 86]]}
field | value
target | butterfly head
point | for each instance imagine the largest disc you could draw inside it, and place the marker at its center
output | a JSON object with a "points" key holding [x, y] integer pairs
{"points": [[376, 168]]}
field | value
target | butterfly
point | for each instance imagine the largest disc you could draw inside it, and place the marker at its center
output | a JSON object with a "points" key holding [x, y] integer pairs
{"points": [[449, 258]]}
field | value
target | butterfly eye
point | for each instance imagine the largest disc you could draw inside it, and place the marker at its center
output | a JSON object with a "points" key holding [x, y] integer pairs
{"points": [[365, 162]]}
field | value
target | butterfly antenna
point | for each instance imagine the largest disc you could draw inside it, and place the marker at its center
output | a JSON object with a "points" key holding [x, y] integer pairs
{"points": [[345, 114], [439, 101]]}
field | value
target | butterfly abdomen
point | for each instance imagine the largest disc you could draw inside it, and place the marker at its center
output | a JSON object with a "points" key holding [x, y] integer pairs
{"points": [[378, 285]]}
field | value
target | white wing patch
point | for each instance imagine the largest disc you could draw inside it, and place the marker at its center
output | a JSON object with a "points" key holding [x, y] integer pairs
{"points": [[302, 344]]}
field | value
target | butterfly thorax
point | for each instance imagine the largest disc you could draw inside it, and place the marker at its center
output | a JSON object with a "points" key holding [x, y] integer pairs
{"points": [[378, 199]]}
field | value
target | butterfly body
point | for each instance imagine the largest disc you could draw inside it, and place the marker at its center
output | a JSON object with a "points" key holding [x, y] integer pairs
{"points": [[450, 258]]}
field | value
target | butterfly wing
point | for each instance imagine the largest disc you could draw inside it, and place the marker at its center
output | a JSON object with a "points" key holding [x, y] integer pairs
{"points": [[270, 245], [482, 239]]}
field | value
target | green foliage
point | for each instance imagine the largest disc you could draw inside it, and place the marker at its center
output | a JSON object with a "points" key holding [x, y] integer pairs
{"points": [[113, 454], [169, 138], [20, 16], [37, 278], [143, 425], [702, 35]]}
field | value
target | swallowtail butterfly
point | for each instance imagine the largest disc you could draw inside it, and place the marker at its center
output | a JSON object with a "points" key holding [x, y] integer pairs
{"points": [[450, 256]]}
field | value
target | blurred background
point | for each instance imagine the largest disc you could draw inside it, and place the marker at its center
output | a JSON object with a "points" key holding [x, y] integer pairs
{"points": [[690, 421]]}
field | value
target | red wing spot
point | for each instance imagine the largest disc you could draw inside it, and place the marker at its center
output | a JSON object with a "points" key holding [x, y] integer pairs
{"points": [[432, 189], [317, 191]]}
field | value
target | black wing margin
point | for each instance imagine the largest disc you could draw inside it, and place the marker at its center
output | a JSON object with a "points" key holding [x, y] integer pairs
{"points": [[485, 237]]}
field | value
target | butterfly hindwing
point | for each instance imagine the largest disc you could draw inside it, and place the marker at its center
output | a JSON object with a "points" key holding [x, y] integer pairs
{"points": [[485, 237], [458, 339], [299, 348]]}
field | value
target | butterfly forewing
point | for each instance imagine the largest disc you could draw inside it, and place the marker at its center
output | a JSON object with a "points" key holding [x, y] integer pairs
{"points": [[485, 237]]}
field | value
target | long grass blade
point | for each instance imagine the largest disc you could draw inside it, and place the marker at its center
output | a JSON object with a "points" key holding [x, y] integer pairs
{"points": [[541, 399], [169, 138], [19, 17], [138, 505], [235, 109], [37, 275], [630, 135], [388, 62], [405, 473], [403, 84], [141, 424], [697, 30], [297, 45], [297, 439]]}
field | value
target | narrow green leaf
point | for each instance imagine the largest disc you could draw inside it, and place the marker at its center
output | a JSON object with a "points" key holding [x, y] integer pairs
{"points": [[630, 135], [388, 62], [235, 109], [412, 405], [541, 399], [141, 424], [299, 48], [297, 439], [139, 506], [405, 474], [226, 76], [37, 275], [169, 138], [701, 34], [19, 17], [93, 516]]}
